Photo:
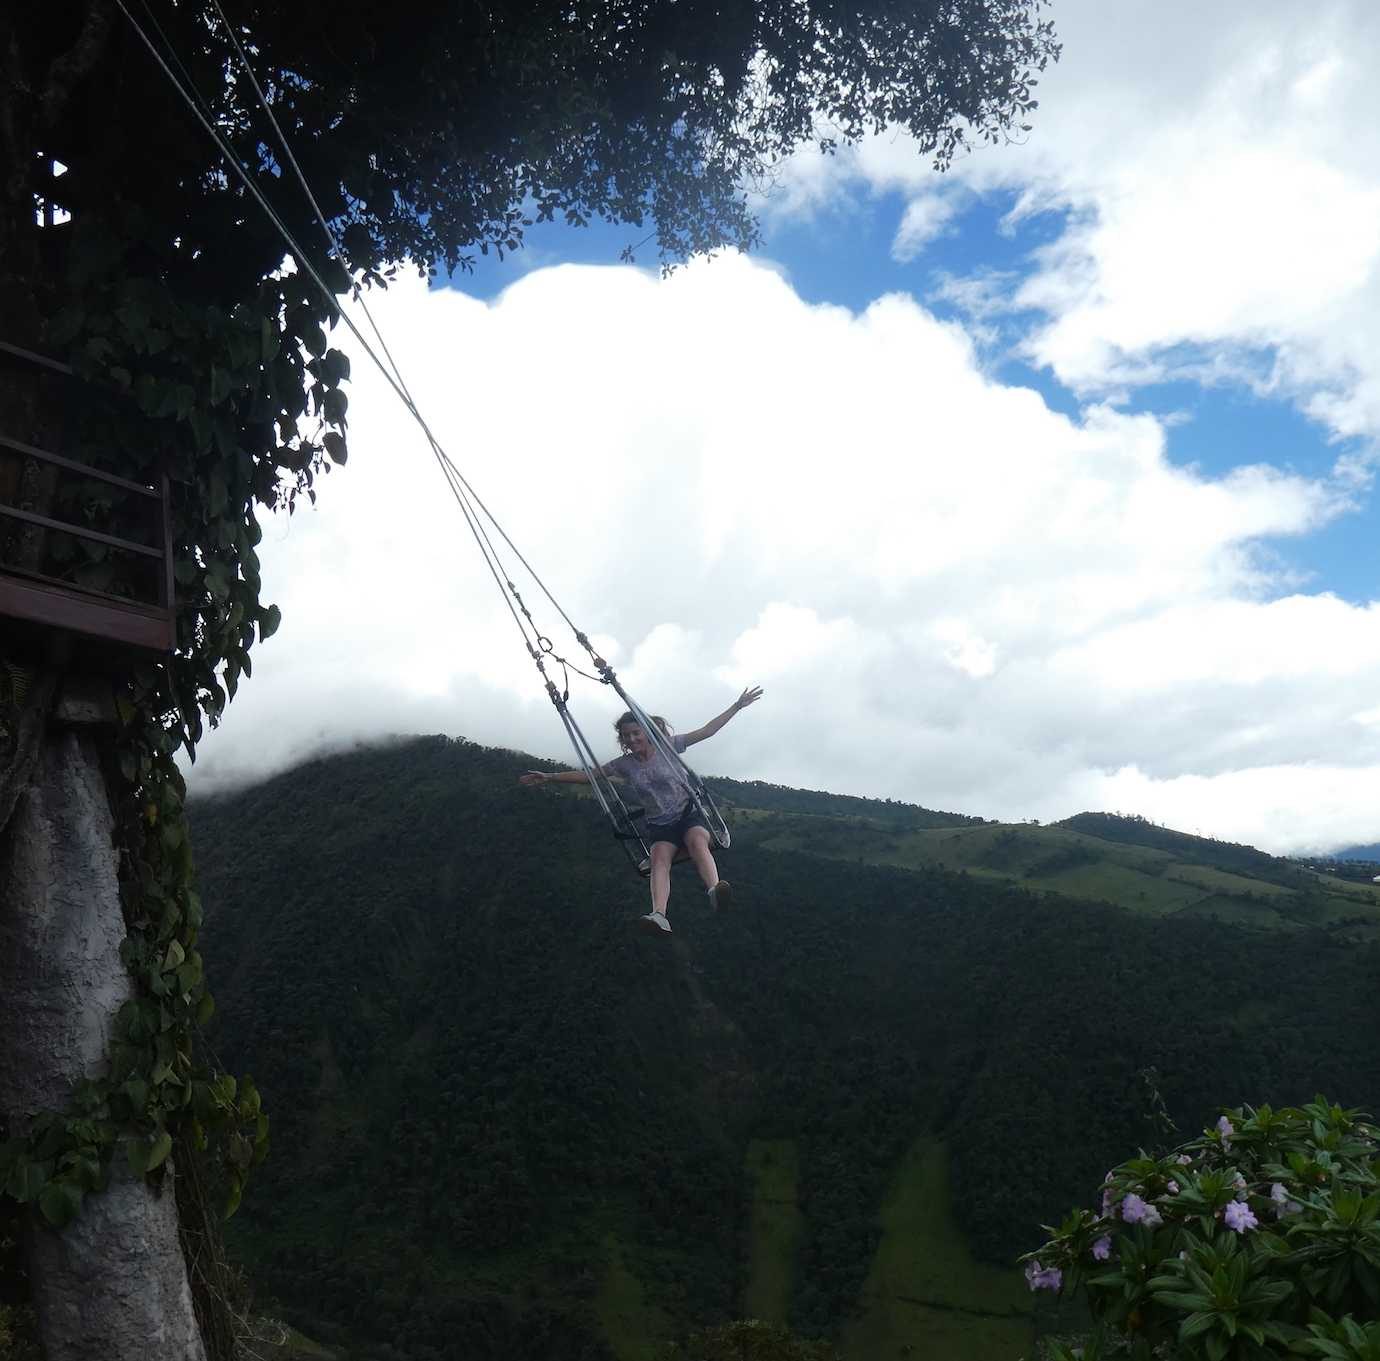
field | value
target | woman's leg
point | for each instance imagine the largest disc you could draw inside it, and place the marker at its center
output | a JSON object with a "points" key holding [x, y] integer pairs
{"points": [[697, 843], [660, 878]]}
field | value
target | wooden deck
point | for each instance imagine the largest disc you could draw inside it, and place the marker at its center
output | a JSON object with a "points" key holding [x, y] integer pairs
{"points": [[34, 588]]}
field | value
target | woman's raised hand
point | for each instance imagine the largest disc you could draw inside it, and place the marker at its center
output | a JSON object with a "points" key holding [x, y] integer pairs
{"points": [[749, 696]]}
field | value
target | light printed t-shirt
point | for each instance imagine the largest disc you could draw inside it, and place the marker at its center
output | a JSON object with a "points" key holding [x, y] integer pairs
{"points": [[659, 785]]}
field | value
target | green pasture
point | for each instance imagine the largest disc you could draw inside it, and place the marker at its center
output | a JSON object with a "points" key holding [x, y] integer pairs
{"points": [[1204, 877], [1146, 880], [924, 1295], [777, 1223], [633, 1327], [1107, 881]]}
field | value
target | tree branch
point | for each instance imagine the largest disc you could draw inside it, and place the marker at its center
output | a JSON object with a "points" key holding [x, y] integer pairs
{"points": [[77, 62]]}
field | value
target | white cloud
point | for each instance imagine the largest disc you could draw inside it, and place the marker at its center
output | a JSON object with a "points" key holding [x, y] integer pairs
{"points": [[925, 218], [1218, 173], [952, 593]]}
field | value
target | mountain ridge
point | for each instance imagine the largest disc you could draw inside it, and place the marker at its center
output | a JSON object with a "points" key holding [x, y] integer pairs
{"points": [[503, 1118]]}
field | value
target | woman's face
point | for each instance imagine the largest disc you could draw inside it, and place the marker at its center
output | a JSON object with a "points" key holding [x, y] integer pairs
{"points": [[636, 740]]}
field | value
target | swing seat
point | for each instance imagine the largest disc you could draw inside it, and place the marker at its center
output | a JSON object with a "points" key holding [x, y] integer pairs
{"points": [[633, 834]]}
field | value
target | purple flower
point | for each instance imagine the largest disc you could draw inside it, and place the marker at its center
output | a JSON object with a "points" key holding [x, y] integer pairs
{"points": [[1238, 1216], [1102, 1249], [1172, 1187], [1043, 1278], [1184, 1160], [1108, 1208], [1283, 1205], [1224, 1128], [1135, 1211]]}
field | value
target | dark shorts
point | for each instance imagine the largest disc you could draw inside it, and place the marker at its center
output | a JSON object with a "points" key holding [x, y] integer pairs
{"points": [[674, 832]]}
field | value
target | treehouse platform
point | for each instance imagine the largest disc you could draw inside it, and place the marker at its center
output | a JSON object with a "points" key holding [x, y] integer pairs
{"points": [[85, 554]]}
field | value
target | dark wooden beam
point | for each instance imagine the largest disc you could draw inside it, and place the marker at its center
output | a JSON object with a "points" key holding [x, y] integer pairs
{"points": [[54, 607]]}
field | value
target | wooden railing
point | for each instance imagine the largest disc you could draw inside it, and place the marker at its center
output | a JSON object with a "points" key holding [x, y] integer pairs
{"points": [[82, 551]]}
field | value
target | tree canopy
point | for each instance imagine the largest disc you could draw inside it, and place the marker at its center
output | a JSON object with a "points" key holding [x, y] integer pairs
{"points": [[427, 133]]}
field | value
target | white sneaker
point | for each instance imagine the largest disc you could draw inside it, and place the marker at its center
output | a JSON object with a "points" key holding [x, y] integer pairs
{"points": [[656, 919]]}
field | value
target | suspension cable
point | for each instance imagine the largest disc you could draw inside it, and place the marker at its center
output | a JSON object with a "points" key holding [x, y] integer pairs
{"points": [[460, 488], [470, 502], [357, 293]]}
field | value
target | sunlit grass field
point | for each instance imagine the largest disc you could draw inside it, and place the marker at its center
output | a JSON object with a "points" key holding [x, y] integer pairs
{"points": [[924, 1295], [1142, 879], [777, 1224]]}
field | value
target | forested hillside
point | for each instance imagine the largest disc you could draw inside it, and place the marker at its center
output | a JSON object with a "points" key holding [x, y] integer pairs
{"points": [[506, 1123]]}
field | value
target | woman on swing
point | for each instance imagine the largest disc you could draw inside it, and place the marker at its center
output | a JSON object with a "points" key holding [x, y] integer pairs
{"points": [[673, 821]]}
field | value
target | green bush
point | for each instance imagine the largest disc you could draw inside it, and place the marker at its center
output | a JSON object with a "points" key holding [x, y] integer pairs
{"points": [[1259, 1239], [749, 1339]]}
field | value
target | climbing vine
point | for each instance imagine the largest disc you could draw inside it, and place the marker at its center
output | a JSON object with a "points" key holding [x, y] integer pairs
{"points": [[240, 408], [156, 1083]]}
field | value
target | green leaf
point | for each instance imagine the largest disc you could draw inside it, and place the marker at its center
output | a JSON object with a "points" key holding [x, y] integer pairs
{"points": [[269, 620], [336, 365], [1193, 1325], [249, 1103], [334, 405], [27, 1179], [162, 1146], [189, 974], [87, 1173], [60, 1202]]}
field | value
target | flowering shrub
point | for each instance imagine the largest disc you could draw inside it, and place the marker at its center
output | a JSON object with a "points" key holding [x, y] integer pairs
{"points": [[1259, 1239]]}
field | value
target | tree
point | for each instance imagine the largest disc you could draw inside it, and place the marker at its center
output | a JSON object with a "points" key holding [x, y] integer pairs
{"points": [[750, 1340], [133, 249]]}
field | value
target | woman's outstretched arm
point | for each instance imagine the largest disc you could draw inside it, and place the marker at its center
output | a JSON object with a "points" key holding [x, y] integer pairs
{"points": [[559, 776], [749, 696]]}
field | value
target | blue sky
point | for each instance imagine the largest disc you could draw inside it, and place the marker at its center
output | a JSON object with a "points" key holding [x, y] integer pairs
{"points": [[844, 255]]}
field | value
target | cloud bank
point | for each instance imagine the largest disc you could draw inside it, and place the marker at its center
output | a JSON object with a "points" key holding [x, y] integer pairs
{"points": [[951, 593]]}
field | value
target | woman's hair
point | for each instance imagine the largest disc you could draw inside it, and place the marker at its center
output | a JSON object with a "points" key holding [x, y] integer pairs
{"points": [[630, 719]]}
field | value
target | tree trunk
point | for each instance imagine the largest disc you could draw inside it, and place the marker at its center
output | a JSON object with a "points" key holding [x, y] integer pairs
{"points": [[113, 1285]]}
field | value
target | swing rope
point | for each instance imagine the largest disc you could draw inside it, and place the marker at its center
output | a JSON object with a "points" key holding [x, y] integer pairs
{"points": [[475, 511]]}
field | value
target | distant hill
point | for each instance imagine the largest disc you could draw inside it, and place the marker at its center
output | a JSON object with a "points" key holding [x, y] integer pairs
{"points": [[508, 1124], [1369, 852], [1092, 857]]}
